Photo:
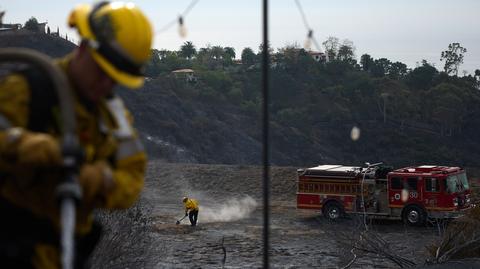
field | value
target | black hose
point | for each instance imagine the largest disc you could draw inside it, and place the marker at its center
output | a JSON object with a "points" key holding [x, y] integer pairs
{"points": [[68, 192]]}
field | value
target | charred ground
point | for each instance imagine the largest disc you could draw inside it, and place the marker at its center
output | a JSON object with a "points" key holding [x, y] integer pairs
{"points": [[229, 234]]}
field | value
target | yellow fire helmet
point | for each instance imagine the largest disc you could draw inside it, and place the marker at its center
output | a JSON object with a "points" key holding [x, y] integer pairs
{"points": [[119, 37]]}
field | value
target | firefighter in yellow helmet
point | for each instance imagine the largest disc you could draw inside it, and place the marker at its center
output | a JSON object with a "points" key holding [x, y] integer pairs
{"points": [[191, 209], [116, 43]]}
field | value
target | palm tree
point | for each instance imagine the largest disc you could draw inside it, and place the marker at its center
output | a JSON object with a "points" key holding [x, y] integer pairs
{"points": [[187, 50], [217, 52], [248, 56], [229, 53]]}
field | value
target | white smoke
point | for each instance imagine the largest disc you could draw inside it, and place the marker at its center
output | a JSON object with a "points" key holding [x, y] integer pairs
{"points": [[230, 211]]}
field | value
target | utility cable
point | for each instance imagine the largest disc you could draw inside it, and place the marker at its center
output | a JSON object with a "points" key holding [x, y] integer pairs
{"points": [[310, 36], [180, 19], [304, 18]]}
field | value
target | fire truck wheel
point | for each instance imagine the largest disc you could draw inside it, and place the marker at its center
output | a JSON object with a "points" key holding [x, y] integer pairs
{"points": [[333, 211], [414, 215]]}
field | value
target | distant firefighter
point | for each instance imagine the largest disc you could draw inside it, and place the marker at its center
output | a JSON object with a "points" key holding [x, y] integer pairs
{"points": [[191, 209]]}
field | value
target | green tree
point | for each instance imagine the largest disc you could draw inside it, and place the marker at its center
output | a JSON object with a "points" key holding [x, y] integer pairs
{"points": [[366, 61], [331, 47], [248, 56], [211, 57], [32, 24], [188, 50], [453, 58], [294, 60], [346, 52], [217, 53], [229, 52], [381, 67], [269, 48], [228, 55], [203, 58], [449, 106], [288, 55], [397, 70], [422, 76], [152, 68], [165, 61], [477, 77]]}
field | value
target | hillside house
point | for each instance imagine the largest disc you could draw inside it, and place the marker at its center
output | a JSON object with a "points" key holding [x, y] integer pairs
{"points": [[42, 27], [187, 74], [10, 26], [318, 56]]}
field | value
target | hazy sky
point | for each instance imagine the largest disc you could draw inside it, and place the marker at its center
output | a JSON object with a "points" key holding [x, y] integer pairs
{"points": [[400, 30]]}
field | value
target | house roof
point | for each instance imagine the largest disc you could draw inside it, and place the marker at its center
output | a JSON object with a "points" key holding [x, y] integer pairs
{"points": [[315, 53], [183, 71]]}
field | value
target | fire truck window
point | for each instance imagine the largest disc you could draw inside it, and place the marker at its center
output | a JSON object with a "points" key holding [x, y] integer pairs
{"points": [[452, 184], [432, 185], [412, 183], [396, 183], [463, 179]]}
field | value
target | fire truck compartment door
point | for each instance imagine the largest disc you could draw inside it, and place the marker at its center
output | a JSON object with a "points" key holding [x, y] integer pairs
{"points": [[309, 201]]}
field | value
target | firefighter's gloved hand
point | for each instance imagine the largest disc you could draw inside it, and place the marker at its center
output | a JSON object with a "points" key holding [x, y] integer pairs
{"points": [[96, 181], [186, 214], [37, 150], [28, 155]]}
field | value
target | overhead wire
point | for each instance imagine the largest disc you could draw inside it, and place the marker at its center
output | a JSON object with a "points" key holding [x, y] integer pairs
{"points": [[310, 36], [180, 19], [265, 80], [265, 140]]}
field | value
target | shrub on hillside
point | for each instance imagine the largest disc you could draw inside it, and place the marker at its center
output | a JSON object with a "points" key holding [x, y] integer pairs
{"points": [[32, 24]]}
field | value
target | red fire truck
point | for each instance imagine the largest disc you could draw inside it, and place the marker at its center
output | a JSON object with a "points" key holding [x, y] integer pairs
{"points": [[412, 194]]}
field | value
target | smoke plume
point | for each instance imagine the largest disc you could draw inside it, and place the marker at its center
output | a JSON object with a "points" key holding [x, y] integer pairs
{"points": [[232, 210]]}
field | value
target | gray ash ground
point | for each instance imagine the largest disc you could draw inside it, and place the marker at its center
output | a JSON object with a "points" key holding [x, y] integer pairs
{"points": [[230, 236]]}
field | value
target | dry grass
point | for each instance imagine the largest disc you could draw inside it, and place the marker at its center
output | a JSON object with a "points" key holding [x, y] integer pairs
{"points": [[461, 239], [125, 238], [365, 242]]}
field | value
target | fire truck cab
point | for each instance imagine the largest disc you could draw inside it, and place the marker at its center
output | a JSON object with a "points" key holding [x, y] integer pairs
{"points": [[412, 194]]}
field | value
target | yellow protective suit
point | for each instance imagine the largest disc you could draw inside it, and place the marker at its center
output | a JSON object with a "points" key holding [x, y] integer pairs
{"points": [[190, 205], [114, 158]]}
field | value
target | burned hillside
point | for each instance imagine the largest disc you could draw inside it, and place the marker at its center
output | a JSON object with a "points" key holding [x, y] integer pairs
{"points": [[402, 119]]}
